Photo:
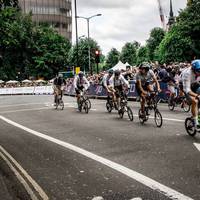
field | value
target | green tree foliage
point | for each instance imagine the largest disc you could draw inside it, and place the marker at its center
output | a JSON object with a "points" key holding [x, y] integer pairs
{"points": [[142, 55], [156, 36], [182, 42], [29, 50], [112, 58], [8, 3], [129, 53], [83, 55]]}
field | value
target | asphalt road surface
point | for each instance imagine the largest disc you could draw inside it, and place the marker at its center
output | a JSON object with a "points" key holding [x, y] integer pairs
{"points": [[67, 155]]}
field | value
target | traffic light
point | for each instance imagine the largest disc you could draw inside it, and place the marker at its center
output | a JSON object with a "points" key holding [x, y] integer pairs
{"points": [[97, 56]]}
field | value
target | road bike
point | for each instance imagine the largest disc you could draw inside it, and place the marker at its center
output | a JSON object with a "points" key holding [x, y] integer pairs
{"points": [[84, 102], [178, 100], [150, 106], [124, 107], [59, 102], [110, 104]]}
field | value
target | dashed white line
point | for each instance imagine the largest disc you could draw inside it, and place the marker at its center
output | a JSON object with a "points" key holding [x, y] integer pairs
{"points": [[154, 185]]}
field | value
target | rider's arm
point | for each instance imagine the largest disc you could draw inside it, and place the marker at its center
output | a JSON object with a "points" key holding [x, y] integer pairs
{"points": [[75, 82], [87, 83], [156, 81], [125, 82]]}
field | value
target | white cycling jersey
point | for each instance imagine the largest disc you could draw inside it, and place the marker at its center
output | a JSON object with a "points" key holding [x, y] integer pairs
{"points": [[187, 77], [118, 82], [81, 82]]}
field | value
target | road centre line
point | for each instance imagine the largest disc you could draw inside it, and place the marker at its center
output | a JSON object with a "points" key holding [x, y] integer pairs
{"points": [[25, 174], [154, 185]]}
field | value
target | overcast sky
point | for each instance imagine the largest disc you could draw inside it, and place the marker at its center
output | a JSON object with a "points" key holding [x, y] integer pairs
{"points": [[121, 21]]}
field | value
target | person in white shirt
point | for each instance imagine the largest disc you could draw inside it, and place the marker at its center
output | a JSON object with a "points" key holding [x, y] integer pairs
{"points": [[80, 84], [117, 84], [191, 87]]}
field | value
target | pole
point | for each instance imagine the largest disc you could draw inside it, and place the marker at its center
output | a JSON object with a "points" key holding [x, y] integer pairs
{"points": [[88, 25], [97, 68], [77, 62]]}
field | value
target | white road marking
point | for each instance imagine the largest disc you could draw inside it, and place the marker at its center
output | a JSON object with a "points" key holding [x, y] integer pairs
{"points": [[15, 105], [20, 178], [154, 185], [197, 146], [23, 110], [138, 198], [41, 192], [98, 198]]}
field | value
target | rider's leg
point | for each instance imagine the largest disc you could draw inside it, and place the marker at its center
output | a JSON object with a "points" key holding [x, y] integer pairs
{"points": [[195, 111], [142, 102]]}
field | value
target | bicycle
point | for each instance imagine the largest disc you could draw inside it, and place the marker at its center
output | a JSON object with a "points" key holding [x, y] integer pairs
{"points": [[178, 100], [59, 102], [151, 105], [125, 107], [110, 105], [84, 102]]}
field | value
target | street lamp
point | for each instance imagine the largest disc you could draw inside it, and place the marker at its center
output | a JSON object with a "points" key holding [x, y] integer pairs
{"points": [[88, 29]]}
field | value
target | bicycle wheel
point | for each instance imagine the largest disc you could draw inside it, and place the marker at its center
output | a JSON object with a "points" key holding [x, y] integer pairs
{"points": [[121, 113], [62, 105], [158, 118], [141, 117], [185, 105], [171, 104], [89, 103], [189, 126], [57, 103], [80, 106], [85, 107], [109, 107], [130, 113]]}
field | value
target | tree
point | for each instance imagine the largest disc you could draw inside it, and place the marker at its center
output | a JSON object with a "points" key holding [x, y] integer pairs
{"points": [[142, 55], [182, 42], [112, 58], [156, 36], [83, 56], [129, 53], [8, 3]]}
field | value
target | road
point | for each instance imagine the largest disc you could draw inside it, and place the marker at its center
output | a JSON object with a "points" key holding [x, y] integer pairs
{"points": [[76, 156]]}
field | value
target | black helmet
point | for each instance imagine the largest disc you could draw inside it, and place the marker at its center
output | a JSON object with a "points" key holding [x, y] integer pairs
{"points": [[117, 73], [110, 71], [145, 66], [80, 74]]}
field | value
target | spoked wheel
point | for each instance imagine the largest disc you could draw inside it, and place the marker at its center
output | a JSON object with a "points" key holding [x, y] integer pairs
{"points": [[141, 117], [57, 103], [171, 104], [62, 105], [109, 107], [80, 106], [158, 118], [85, 107], [130, 113], [189, 126], [121, 113], [185, 105], [89, 103]]}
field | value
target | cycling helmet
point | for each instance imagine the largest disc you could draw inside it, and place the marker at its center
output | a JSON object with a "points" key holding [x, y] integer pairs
{"points": [[145, 66], [80, 74], [111, 71], [60, 75], [117, 73], [196, 65]]}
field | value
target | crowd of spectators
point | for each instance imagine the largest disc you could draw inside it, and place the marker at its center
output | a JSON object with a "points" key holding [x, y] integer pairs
{"points": [[95, 79]]}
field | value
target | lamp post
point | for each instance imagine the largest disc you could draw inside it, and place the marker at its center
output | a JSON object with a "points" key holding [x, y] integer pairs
{"points": [[88, 30]]}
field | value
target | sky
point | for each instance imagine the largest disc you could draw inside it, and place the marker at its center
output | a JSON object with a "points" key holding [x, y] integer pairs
{"points": [[121, 21]]}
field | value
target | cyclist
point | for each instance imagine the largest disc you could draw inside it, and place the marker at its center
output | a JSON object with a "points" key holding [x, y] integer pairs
{"points": [[145, 80], [58, 85], [105, 81], [191, 88], [80, 84], [117, 84]]}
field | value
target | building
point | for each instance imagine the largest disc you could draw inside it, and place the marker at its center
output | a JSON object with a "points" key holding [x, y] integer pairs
{"points": [[57, 13], [171, 16]]}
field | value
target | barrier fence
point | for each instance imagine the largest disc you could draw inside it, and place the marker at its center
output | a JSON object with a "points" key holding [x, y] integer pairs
{"points": [[94, 90]]}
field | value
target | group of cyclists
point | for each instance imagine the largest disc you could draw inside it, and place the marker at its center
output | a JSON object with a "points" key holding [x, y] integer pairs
{"points": [[146, 84]]}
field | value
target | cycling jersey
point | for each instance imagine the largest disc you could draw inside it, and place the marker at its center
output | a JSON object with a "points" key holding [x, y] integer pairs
{"points": [[81, 83], [144, 78], [118, 82], [188, 78], [106, 79], [59, 81]]}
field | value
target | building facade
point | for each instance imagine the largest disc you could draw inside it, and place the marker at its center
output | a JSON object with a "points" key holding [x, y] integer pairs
{"points": [[57, 13]]}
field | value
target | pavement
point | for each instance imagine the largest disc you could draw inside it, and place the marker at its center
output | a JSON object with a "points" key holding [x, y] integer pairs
{"points": [[74, 155]]}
